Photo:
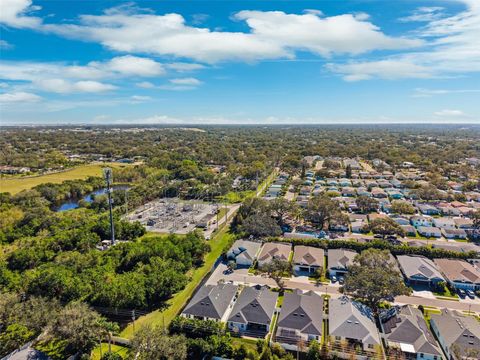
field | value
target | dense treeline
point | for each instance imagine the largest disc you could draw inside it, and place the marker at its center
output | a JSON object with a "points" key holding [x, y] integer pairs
{"points": [[403, 249]]}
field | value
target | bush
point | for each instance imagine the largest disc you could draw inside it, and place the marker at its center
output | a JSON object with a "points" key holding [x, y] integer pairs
{"points": [[111, 356], [380, 244], [194, 328]]}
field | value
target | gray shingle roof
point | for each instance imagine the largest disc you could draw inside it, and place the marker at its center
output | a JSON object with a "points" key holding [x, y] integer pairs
{"points": [[418, 266], [454, 328], [302, 312], [350, 319], [211, 301], [255, 306], [406, 325]]}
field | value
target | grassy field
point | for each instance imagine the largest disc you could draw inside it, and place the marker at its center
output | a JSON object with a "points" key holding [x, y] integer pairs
{"points": [[175, 304], [95, 355], [17, 184]]}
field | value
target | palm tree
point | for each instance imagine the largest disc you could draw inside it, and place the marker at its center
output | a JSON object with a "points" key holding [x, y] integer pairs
{"points": [[109, 329]]}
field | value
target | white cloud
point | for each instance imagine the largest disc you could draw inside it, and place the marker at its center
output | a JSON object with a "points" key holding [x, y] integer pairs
{"points": [[450, 113], [63, 86], [272, 34], [385, 69], [145, 85], [15, 13], [138, 99], [420, 92], [185, 67], [346, 33], [5, 45], [453, 50], [16, 97], [424, 14], [186, 81], [133, 65]]}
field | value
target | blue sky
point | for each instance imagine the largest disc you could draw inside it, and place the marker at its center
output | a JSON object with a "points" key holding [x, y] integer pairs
{"points": [[230, 62]]}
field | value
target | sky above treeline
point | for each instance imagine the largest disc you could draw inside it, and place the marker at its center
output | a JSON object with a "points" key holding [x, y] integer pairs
{"points": [[239, 62]]}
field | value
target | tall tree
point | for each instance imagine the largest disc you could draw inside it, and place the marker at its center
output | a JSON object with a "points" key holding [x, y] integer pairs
{"points": [[321, 210], [386, 226], [374, 278], [276, 270], [153, 343], [366, 204]]}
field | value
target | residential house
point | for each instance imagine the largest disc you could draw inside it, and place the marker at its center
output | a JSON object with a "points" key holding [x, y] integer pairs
{"points": [[421, 221], [253, 312], [400, 220], [459, 273], [244, 252], [454, 233], [429, 231], [458, 335], [444, 223], [463, 223], [428, 209], [409, 230], [352, 322], [307, 259], [379, 193], [271, 250], [419, 270], [406, 331], [300, 319], [211, 302], [339, 260]]}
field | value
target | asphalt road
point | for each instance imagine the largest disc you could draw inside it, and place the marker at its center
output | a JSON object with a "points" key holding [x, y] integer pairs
{"points": [[241, 276]]}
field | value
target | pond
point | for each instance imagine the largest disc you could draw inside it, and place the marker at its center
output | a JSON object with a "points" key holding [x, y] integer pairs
{"points": [[71, 204]]}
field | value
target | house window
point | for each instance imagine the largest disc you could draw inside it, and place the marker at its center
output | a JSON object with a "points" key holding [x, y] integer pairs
{"points": [[370, 346], [421, 355], [338, 338], [434, 357]]}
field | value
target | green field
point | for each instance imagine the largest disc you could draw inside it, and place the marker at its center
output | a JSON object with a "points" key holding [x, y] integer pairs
{"points": [[17, 184], [218, 244], [120, 350]]}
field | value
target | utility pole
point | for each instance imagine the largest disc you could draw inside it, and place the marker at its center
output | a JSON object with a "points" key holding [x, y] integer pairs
{"points": [[107, 174], [126, 202], [133, 319]]}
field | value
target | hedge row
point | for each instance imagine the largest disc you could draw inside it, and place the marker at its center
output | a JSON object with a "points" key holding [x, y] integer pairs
{"points": [[194, 328], [432, 253]]}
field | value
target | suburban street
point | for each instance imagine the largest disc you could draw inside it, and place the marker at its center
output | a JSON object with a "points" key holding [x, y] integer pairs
{"points": [[241, 276]]}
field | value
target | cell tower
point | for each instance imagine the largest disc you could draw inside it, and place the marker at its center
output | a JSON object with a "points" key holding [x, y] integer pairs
{"points": [[107, 174]]}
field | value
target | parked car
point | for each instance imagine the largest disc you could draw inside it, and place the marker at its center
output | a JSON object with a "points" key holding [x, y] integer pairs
{"points": [[470, 294], [333, 278], [462, 293]]}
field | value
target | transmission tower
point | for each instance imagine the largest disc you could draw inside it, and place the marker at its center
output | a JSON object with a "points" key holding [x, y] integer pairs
{"points": [[107, 174]]}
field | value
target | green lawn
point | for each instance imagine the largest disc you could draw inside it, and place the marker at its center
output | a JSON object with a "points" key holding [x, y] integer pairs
{"points": [[218, 243], [17, 184], [122, 351], [250, 344]]}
